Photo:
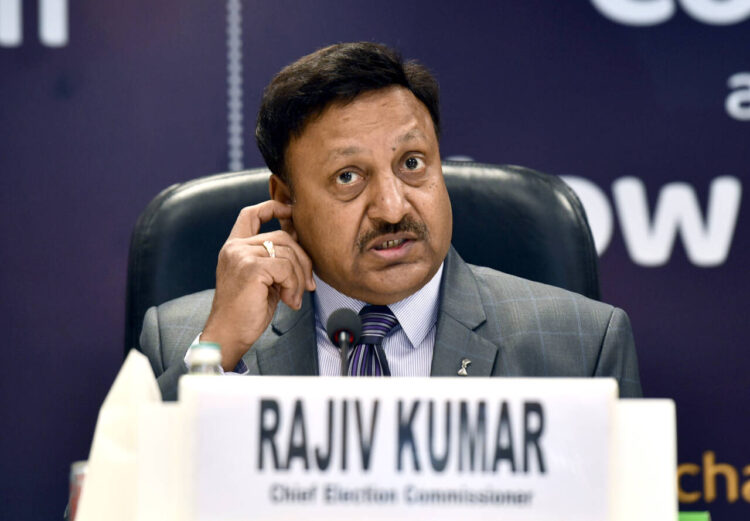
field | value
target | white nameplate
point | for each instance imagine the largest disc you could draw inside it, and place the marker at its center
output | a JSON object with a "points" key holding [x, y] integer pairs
{"points": [[645, 459], [278, 448]]}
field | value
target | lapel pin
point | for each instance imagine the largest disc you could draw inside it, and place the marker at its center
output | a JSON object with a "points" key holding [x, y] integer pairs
{"points": [[464, 364]]}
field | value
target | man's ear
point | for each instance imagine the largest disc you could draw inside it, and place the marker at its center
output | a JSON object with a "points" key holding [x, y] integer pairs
{"points": [[281, 192]]}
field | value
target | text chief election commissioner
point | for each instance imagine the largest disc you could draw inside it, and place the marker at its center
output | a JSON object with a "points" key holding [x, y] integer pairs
{"points": [[350, 134]]}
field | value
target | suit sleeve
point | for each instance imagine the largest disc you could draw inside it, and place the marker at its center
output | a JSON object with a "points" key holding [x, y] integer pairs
{"points": [[151, 347], [617, 357]]}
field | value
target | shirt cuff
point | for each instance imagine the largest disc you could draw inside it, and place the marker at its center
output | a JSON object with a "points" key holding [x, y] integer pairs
{"points": [[239, 369]]}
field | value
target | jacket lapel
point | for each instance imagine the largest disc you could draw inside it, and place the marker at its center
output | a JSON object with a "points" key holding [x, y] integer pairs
{"points": [[294, 352], [461, 313]]}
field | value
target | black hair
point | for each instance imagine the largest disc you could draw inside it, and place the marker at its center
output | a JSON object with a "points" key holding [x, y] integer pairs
{"points": [[339, 72]]}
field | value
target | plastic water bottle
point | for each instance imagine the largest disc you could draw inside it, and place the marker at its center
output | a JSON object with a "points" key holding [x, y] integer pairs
{"points": [[205, 358]]}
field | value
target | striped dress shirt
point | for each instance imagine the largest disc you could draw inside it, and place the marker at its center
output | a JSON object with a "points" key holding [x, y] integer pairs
{"points": [[408, 347]]}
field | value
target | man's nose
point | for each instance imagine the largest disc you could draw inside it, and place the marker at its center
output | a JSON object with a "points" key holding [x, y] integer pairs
{"points": [[388, 200]]}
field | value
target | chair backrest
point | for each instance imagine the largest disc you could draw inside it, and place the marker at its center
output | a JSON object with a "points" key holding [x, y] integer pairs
{"points": [[510, 218]]}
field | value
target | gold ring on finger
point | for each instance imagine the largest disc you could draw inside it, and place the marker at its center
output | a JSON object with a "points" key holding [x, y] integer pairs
{"points": [[268, 245]]}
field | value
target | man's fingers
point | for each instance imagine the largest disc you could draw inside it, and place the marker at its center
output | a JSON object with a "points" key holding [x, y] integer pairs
{"points": [[281, 238], [289, 253], [304, 263], [253, 259], [252, 217], [283, 275]]}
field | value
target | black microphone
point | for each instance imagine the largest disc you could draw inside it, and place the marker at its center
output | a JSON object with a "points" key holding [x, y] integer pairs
{"points": [[344, 328]]}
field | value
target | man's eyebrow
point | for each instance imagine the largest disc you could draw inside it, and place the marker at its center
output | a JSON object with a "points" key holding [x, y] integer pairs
{"points": [[345, 151], [412, 135]]}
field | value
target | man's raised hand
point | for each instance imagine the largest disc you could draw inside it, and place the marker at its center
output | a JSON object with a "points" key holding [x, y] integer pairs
{"points": [[249, 283]]}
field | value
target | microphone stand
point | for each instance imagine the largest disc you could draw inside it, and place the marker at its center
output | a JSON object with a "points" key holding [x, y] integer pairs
{"points": [[344, 343], [344, 327]]}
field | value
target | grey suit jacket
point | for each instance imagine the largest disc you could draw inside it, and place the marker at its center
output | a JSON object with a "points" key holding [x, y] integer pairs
{"points": [[506, 326]]}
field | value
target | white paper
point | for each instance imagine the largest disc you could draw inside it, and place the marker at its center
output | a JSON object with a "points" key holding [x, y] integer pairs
{"points": [[646, 458], [110, 487], [162, 474]]}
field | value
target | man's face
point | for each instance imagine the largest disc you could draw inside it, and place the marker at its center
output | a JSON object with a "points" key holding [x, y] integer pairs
{"points": [[370, 204]]}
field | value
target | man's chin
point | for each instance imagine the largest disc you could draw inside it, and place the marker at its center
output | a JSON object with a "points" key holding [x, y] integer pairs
{"points": [[394, 282]]}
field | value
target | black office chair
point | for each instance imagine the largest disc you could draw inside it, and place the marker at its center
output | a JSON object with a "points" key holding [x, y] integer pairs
{"points": [[510, 218]]}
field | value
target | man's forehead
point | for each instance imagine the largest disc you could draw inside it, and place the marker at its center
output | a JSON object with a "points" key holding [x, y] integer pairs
{"points": [[398, 102], [389, 117], [415, 134]]}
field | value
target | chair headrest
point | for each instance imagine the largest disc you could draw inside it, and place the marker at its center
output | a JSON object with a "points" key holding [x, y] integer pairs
{"points": [[509, 218]]}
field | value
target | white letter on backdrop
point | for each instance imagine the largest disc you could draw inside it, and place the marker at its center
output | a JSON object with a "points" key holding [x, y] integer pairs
{"points": [[636, 12], [677, 209], [717, 12], [738, 102]]}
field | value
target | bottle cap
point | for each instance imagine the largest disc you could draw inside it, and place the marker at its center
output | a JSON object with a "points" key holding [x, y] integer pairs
{"points": [[205, 353], [207, 345]]}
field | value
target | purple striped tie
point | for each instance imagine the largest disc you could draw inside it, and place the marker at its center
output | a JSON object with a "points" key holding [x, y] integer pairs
{"points": [[368, 358]]}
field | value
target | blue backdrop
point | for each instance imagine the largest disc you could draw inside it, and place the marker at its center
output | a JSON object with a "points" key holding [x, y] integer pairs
{"points": [[644, 106]]}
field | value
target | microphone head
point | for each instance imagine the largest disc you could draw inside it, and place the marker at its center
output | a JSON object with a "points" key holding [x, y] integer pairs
{"points": [[347, 321]]}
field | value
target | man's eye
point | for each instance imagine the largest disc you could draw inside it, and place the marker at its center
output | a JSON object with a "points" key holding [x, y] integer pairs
{"points": [[347, 178], [413, 163]]}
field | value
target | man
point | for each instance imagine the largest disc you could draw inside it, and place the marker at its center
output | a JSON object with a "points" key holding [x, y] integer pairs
{"points": [[350, 134]]}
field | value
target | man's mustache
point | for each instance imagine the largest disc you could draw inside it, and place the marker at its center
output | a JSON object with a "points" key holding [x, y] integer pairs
{"points": [[407, 224]]}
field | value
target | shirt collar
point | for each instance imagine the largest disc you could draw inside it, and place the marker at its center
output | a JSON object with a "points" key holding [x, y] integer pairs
{"points": [[416, 314]]}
